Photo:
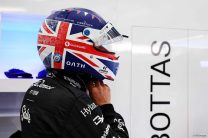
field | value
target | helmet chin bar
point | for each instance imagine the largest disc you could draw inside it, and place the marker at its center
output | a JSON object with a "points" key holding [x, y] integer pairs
{"points": [[107, 35]]}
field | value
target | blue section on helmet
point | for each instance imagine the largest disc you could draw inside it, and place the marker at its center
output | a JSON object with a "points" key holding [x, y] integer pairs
{"points": [[40, 31], [74, 64], [76, 29], [38, 47], [79, 16], [52, 24], [113, 66], [47, 61]]}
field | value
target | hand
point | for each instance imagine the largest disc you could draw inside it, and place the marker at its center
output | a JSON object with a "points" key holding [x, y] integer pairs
{"points": [[99, 92]]}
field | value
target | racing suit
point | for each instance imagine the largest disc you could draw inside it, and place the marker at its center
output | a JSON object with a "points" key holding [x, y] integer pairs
{"points": [[59, 107]]}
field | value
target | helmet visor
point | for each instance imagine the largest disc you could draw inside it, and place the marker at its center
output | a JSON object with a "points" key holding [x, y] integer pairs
{"points": [[107, 35]]}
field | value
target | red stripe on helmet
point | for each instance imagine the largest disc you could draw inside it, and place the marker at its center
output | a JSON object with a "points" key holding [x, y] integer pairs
{"points": [[109, 77], [82, 37], [86, 59], [90, 50]]}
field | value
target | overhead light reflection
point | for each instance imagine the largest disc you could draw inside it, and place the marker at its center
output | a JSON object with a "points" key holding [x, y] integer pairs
{"points": [[141, 49], [12, 9], [121, 46], [128, 47]]}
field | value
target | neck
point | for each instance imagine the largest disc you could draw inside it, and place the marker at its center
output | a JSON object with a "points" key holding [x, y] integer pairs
{"points": [[76, 80]]}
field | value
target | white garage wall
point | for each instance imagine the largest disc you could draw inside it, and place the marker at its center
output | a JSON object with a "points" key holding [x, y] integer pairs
{"points": [[128, 16]]}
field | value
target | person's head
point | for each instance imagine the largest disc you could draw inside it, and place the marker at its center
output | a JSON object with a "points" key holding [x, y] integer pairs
{"points": [[77, 40]]}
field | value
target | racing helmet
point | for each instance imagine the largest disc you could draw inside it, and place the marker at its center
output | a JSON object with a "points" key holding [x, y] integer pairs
{"points": [[77, 40]]}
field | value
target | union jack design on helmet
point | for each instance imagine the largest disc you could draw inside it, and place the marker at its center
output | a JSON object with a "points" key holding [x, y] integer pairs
{"points": [[64, 43]]}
